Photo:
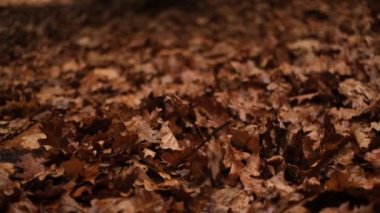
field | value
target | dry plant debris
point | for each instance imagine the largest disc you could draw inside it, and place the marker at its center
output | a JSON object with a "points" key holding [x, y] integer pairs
{"points": [[212, 106]]}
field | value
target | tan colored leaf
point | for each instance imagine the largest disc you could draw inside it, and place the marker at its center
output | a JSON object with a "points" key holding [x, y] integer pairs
{"points": [[215, 158], [31, 166], [168, 140], [359, 94], [26, 140], [373, 157], [362, 136], [140, 126], [230, 200], [24, 205]]}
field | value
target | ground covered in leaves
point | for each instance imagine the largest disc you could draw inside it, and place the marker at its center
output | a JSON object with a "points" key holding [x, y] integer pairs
{"points": [[212, 106]]}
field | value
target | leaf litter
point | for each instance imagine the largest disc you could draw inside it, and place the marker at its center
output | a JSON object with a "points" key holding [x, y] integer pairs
{"points": [[145, 107]]}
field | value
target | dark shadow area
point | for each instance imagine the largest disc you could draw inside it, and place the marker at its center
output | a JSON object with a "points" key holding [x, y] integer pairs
{"points": [[374, 5], [22, 26], [335, 199]]}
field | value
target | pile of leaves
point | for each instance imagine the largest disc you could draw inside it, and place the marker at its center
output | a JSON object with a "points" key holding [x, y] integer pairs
{"points": [[253, 106]]}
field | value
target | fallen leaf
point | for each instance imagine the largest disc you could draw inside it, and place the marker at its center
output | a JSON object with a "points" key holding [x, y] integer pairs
{"points": [[73, 167], [230, 199], [138, 125], [168, 140], [26, 140], [31, 166], [373, 157]]}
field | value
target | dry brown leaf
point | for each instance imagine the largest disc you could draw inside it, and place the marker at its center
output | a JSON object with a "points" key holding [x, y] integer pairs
{"points": [[215, 158], [362, 136], [23, 206], [230, 199], [73, 167], [141, 127], [359, 94], [373, 157], [7, 186], [168, 140], [31, 166], [26, 140]]}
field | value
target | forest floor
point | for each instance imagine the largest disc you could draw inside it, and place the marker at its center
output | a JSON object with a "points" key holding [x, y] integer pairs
{"points": [[214, 106]]}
